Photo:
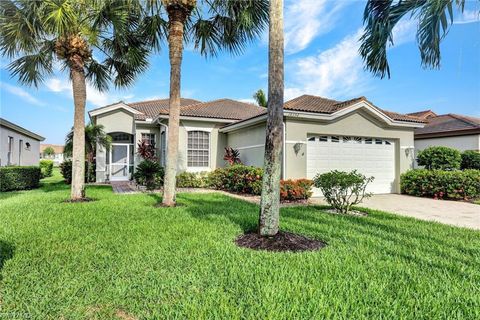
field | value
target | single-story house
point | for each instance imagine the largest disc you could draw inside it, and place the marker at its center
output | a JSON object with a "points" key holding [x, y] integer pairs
{"points": [[18, 146], [319, 135], [57, 157], [449, 130]]}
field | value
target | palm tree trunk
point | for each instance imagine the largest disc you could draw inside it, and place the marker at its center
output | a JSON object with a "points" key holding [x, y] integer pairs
{"points": [[177, 15], [78, 154], [270, 202]]}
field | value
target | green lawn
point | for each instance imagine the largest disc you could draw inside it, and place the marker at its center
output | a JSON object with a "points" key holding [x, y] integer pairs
{"points": [[119, 256]]}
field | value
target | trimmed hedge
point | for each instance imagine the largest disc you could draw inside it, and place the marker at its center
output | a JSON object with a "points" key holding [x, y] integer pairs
{"points": [[440, 184], [471, 160], [46, 167], [19, 178], [66, 170], [440, 158], [237, 178], [192, 180]]}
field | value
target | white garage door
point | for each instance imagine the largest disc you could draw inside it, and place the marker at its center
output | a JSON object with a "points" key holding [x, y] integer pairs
{"points": [[368, 155]]}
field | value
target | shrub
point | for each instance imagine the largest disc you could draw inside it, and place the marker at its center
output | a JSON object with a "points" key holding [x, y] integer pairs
{"points": [[232, 156], [46, 168], [470, 160], [146, 150], [441, 184], [66, 171], [150, 174], [19, 178], [342, 190], [237, 178], [192, 180], [439, 158], [292, 190]]}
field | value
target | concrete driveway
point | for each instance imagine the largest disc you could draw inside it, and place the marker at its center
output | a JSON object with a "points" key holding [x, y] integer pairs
{"points": [[461, 214]]}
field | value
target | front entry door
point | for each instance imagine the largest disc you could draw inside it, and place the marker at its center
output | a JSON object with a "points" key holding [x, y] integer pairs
{"points": [[119, 165]]}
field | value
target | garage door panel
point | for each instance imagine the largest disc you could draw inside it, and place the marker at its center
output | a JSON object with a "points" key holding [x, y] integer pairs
{"points": [[377, 160]]}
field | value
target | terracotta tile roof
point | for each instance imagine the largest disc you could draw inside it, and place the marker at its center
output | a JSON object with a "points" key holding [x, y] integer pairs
{"points": [[223, 109], [56, 147], [423, 114], [152, 108], [316, 104], [449, 123]]}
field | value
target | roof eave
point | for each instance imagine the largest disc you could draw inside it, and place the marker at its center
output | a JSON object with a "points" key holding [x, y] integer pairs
{"points": [[22, 130]]}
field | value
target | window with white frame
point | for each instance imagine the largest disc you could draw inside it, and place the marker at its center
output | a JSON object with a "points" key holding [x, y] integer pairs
{"points": [[10, 150], [198, 149], [149, 137]]}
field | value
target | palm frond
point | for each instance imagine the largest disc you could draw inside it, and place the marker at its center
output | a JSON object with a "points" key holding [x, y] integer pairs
{"points": [[31, 69], [98, 75], [61, 16]]}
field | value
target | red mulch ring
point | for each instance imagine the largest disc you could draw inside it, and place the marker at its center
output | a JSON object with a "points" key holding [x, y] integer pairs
{"points": [[79, 200], [282, 241]]}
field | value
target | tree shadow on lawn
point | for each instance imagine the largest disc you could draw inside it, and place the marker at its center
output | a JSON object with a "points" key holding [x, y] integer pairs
{"points": [[7, 251]]}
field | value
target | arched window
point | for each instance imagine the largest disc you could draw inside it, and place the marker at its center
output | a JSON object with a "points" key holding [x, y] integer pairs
{"points": [[198, 149]]}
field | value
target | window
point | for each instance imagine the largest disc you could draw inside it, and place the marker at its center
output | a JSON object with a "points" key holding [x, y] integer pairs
{"points": [[387, 142], [149, 137], [335, 139], [311, 139], [10, 150], [368, 140], [323, 138], [198, 149], [378, 141], [121, 137]]}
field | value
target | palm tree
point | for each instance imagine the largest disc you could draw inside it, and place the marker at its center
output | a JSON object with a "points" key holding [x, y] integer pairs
{"points": [[260, 98], [95, 136], [270, 201], [380, 17], [213, 26], [76, 34]]}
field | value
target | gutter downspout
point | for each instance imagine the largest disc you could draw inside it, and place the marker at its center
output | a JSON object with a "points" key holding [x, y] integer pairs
{"points": [[284, 151]]}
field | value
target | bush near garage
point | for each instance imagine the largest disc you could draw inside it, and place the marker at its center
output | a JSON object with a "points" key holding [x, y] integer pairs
{"points": [[341, 189], [46, 167], [66, 171], [470, 160], [441, 184], [440, 158], [19, 178], [294, 190]]}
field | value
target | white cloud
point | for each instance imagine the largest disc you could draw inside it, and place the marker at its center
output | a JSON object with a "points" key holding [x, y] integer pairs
{"points": [[19, 92], [336, 72], [468, 16], [307, 19], [248, 100], [404, 31], [94, 96]]}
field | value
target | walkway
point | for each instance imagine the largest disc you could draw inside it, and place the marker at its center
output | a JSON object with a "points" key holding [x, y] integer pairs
{"points": [[123, 187]]}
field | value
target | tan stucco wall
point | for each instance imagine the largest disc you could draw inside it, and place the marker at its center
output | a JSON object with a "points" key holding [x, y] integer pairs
{"points": [[356, 124], [462, 143], [117, 121], [251, 144], [29, 157]]}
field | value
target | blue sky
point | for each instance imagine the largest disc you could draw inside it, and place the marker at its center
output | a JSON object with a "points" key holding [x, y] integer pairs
{"points": [[321, 59]]}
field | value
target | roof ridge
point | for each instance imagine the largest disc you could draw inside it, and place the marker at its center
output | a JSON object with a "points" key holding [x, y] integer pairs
{"points": [[161, 99]]}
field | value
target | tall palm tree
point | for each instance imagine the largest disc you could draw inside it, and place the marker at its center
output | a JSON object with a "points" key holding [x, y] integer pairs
{"points": [[74, 33], [380, 17], [95, 136], [212, 26], [260, 98], [270, 201]]}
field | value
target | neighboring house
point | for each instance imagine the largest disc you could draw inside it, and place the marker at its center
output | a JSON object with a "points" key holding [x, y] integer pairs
{"points": [[57, 158], [449, 130], [18, 146], [319, 135]]}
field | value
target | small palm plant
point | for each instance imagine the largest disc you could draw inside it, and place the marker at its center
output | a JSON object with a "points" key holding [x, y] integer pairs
{"points": [[94, 41], [95, 136]]}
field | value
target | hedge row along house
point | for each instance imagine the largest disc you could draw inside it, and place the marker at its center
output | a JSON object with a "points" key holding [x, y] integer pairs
{"points": [[320, 135]]}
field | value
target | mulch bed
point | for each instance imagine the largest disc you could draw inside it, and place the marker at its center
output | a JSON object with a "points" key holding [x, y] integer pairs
{"points": [[282, 241], [79, 200]]}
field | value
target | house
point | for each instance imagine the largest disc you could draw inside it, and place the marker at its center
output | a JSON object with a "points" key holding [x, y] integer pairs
{"points": [[449, 130], [18, 146], [319, 135], [57, 157]]}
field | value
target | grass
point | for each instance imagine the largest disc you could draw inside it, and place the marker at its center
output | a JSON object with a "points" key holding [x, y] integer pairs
{"points": [[120, 257]]}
